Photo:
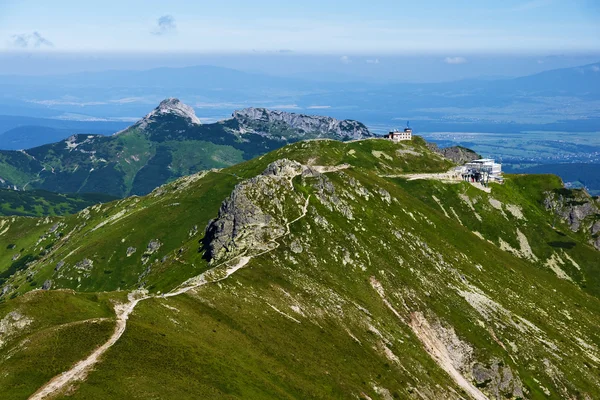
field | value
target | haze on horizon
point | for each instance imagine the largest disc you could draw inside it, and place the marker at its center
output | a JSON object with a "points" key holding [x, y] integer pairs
{"points": [[441, 40]]}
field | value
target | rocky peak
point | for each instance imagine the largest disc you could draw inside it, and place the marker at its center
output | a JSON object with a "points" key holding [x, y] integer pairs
{"points": [[245, 223], [457, 154], [578, 209], [170, 106], [261, 120]]}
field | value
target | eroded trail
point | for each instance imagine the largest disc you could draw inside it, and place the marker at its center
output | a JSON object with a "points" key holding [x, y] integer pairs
{"points": [[220, 272], [436, 349], [80, 370]]}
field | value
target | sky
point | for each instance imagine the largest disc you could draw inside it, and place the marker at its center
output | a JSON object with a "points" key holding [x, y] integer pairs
{"points": [[343, 27]]}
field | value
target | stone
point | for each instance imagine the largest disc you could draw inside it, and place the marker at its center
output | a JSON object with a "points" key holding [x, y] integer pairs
{"points": [[284, 168], [59, 265], [457, 154], [169, 106], [242, 224], [131, 251], [47, 285], [296, 247], [153, 246], [86, 264], [262, 121], [596, 228], [5, 290]]}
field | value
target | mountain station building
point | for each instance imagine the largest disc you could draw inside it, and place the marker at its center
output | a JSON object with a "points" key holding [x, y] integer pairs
{"points": [[397, 136], [482, 170]]}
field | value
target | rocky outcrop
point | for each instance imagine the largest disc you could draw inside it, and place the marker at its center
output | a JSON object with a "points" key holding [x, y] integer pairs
{"points": [[171, 106], [577, 209], [85, 265], [254, 213], [284, 125], [497, 380], [131, 251], [457, 154]]}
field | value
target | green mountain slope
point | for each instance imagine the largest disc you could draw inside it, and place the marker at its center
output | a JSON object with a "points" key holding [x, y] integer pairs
{"points": [[38, 203], [168, 143], [327, 270]]}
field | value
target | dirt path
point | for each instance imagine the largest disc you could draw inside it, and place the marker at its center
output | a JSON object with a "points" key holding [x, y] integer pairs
{"points": [[80, 370], [218, 273], [446, 177]]}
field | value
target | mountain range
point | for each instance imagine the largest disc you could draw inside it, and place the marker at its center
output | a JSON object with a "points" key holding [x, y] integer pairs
{"points": [[168, 143], [322, 269], [551, 98]]}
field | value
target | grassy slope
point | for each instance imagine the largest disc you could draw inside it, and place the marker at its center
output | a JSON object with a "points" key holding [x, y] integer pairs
{"points": [[39, 203], [64, 328], [135, 161], [232, 339]]}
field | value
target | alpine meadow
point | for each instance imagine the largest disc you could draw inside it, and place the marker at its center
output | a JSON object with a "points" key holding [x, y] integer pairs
{"points": [[310, 200]]}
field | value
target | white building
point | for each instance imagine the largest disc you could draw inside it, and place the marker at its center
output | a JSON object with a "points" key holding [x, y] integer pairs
{"points": [[482, 169], [485, 164], [398, 136]]}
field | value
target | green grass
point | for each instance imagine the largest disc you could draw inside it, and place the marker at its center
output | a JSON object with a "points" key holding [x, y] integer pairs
{"points": [[310, 324], [64, 328]]}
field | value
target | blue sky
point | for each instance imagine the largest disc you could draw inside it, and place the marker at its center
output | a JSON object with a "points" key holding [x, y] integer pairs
{"points": [[377, 27]]}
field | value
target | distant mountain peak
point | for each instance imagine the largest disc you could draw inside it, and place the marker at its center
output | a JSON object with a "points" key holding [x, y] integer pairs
{"points": [[262, 120], [172, 106]]}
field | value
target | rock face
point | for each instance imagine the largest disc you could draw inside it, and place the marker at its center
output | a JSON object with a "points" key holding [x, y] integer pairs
{"points": [[578, 209], [85, 264], [458, 154], [267, 122], [170, 106], [244, 221], [498, 381]]}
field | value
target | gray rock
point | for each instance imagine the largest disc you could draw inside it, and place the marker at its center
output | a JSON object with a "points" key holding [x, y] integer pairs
{"points": [[167, 107], [457, 154], [296, 247], [243, 222], [131, 251], [596, 228], [85, 265], [153, 246], [59, 265], [5, 290], [498, 381], [576, 208], [47, 285], [16, 256], [280, 124], [284, 168]]}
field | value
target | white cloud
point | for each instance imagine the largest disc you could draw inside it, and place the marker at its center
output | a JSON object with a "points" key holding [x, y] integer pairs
{"points": [[318, 107], [375, 61], [595, 68], [26, 40], [455, 60], [345, 60], [164, 25]]}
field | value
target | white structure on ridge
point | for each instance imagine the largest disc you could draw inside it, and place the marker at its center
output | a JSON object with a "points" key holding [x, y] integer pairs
{"points": [[481, 170], [398, 136]]}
